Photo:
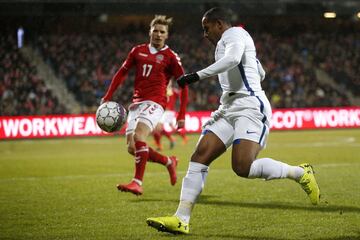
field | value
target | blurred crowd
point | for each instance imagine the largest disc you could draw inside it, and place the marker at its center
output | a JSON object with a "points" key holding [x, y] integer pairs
{"points": [[87, 62], [22, 92], [338, 55], [291, 80]]}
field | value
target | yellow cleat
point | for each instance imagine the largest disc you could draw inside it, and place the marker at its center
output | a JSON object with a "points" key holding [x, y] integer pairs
{"points": [[309, 184], [169, 224]]}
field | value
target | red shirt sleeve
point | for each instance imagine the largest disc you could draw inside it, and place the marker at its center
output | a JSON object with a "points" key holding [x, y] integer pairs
{"points": [[183, 103], [176, 67], [177, 71], [120, 75]]}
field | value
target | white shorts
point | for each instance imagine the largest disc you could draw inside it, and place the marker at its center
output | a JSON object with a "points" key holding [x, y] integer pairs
{"points": [[168, 120], [245, 118], [147, 112], [169, 117]]}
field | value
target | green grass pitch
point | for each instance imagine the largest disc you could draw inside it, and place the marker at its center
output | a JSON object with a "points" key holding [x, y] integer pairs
{"points": [[65, 189]]}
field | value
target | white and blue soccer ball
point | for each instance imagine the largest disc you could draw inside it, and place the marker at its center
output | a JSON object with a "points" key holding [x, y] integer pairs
{"points": [[111, 116]]}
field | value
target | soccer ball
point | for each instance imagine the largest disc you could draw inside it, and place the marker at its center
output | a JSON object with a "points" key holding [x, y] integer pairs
{"points": [[111, 116]]}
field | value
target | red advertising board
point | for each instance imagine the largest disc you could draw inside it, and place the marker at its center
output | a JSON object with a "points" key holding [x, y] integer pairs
{"points": [[52, 126]]}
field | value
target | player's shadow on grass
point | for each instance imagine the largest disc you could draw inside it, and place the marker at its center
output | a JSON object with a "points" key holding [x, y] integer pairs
{"points": [[211, 200], [233, 236], [270, 205]]}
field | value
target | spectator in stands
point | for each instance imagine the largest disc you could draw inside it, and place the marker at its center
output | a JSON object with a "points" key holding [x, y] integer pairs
{"points": [[290, 62], [22, 92]]}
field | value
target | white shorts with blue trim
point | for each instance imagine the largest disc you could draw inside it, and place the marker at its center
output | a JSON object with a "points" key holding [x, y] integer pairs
{"points": [[246, 117], [147, 112]]}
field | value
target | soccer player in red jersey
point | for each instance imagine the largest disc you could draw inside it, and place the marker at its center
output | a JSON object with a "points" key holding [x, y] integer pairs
{"points": [[155, 65]]}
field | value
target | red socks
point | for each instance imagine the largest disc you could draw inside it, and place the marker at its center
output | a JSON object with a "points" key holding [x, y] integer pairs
{"points": [[154, 156], [168, 135], [143, 153], [141, 157], [182, 133]]}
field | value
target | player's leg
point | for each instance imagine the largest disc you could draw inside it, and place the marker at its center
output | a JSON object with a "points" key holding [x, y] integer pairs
{"points": [[140, 125], [169, 136], [130, 143], [245, 164], [167, 121], [182, 133], [211, 145], [154, 118], [141, 156], [135, 185], [170, 162], [154, 156], [251, 130], [208, 149], [157, 136], [150, 116], [214, 141]]}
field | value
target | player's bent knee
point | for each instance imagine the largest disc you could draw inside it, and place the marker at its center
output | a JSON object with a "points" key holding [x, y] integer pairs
{"points": [[241, 172], [195, 157], [200, 155], [242, 167], [137, 137]]}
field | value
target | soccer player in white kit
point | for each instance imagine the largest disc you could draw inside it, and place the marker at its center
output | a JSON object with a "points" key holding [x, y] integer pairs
{"points": [[242, 120]]}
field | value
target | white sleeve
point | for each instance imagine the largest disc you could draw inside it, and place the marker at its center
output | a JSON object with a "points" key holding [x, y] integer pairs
{"points": [[234, 49]]}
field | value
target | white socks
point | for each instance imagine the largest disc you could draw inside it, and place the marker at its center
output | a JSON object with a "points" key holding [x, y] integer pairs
{"points": [[193, 182], [192, 185], [268, 169]]}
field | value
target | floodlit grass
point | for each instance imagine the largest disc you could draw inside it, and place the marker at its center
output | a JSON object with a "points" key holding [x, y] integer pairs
{"points": [[65, 189]]}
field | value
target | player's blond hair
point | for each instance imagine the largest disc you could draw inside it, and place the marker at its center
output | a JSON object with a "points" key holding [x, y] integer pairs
{"points": [[161, 19]]}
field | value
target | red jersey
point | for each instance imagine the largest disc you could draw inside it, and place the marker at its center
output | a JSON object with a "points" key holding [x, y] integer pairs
{"points": [[154, 69]]}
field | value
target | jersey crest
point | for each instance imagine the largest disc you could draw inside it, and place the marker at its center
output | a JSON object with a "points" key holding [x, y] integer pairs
{"points": [[159, 58]]}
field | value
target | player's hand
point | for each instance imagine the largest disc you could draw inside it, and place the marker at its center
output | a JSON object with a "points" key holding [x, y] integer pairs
{"points": [[187, 79], [180, 124]]}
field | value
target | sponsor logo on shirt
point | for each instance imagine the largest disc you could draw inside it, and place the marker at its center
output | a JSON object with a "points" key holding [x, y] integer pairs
{"points": [[143, 54]]}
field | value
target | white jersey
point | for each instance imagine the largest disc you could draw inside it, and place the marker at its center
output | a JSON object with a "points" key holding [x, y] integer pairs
{"points": [[236, 64]]}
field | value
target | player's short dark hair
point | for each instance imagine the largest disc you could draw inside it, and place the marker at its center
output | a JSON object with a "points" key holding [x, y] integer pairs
{"points": [[217, 13]]}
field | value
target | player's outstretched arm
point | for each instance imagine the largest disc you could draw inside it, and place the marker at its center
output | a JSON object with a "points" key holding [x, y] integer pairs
{"points": [[183, 104], [115, 82], [187, 79], [120, 75]]}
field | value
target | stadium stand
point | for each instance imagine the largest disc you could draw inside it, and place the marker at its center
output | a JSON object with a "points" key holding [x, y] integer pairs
{"points": [[86, 62], [22, 92], [87, 70]]}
